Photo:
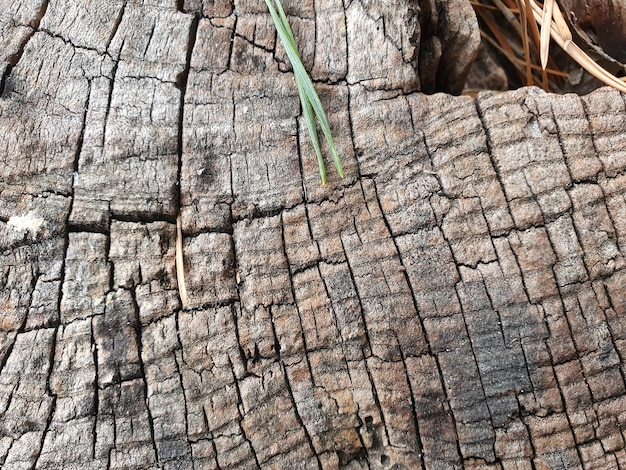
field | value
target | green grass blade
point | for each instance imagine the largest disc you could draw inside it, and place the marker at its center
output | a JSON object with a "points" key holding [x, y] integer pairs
{"points": [[316, 104], [305, 82], [311, 105], [286, 24], [309, 117]]}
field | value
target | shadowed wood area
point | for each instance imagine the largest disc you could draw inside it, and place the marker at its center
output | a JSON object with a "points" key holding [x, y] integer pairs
{"points": [[457, 301]]}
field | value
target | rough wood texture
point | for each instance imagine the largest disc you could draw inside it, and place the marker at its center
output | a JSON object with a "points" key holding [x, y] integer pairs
{"points": [[457, 300]]}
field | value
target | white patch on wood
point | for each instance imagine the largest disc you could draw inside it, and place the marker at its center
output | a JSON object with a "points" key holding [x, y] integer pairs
{"points": [[30, 222]]}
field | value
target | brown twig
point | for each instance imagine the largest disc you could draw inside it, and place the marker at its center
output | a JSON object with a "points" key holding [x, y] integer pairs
{"points": [[180, 264], [524, 40]]}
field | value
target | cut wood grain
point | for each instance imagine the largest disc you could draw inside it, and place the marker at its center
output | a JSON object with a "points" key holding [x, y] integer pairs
{"points": [[457, 301]]}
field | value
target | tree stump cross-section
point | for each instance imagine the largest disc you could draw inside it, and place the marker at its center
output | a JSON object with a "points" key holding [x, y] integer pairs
{"points": [[457, 301]]}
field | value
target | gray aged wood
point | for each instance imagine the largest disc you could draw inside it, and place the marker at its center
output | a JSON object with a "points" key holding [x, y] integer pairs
{"points": [[458, 300]]}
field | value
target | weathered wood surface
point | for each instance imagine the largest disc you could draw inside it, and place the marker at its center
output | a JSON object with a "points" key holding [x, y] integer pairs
{"points": [[458, 300]]}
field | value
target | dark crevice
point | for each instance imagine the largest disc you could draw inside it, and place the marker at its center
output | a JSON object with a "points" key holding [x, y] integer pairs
{"points": [[391, 96], [403, 269], [300, 158], [177, 355], [346, 458], [491, 238], [242, 353], [150, 36], [69, 42], [7, 451], [96, 395], [485, 399], [492, 306], [76, 227], [315, 37], [15, 58], [205, 230], [580, 244], [448, 401], [50, 393], [142, 369], [564, 404], [353, 133], [111, 267], [253, 44], [298, 417], [379, 87], [231, 44], [527, 364], [258, 213], [214, 447], [143, 217], [277, 346], [240, 406], [369, 352], [304, 267], [494, 165], [215, 304], [31, 290], [377, 402], [116, 26], [181, 83], [338, 194], [518, 264], [418, 437], [531, 442], [294, 297], [4, 80], [110, 97], [130, 76], [337, 327], [234, 122], [559, 136], [380, 21], [76, 164], [7, 353]]}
